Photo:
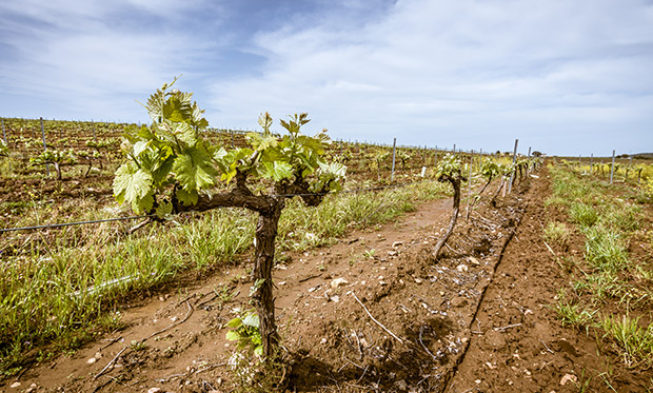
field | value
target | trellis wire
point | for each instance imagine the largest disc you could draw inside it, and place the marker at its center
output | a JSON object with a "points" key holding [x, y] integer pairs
{"points": [[68, 224]]}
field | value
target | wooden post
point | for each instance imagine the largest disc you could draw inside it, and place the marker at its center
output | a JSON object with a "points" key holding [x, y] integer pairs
{"points": [[514, 160], [94, 134], [4, 134], [612, 168], [45, 146], [394, 153], [469, 182]]}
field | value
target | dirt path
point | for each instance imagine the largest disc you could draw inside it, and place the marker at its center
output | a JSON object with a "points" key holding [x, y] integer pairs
{"points": [[370, 313], [196, 346], [519, 344]]}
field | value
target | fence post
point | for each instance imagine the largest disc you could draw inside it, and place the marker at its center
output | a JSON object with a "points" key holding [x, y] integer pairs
{"points": [[45, 146], [612, 168], [469, 181], [514, 160], [454, 149], [528, 165], [394, 153], [94, 134], [4, 135]]}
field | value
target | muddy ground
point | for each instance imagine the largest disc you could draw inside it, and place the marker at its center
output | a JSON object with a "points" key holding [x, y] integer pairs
{"points": [[373, 312]]}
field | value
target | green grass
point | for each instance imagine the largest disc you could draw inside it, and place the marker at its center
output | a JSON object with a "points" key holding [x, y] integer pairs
{"points": [[634, 341], [573, 314], [61, 293], [583, 214], [556, 233], [609, 275], [605, 250]]}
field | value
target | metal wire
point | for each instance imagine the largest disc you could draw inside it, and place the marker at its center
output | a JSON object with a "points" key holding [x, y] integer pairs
{"points": [[68, 224]]}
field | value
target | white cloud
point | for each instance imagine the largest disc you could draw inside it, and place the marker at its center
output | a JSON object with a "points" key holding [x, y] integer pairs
{"points": [[80, 57], [435, 72]]}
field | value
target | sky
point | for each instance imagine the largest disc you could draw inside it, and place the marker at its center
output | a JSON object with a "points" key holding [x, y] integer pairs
{"points": [[564, 77]]}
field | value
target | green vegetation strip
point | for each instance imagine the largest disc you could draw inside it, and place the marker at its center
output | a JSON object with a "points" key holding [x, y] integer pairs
{"points": [[64, 296], [608, 274]]}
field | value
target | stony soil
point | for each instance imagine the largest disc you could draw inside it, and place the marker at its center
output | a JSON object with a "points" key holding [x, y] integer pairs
{"points": [[373, 312]]}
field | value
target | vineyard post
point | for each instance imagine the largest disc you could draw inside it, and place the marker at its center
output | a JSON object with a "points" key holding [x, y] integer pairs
{"points": [[4, 135], [514, 159], [591, 164], [612, 168], [454, 149], [94, 134], [45, 146], [469, 180], [394, 154], [528, 166]]}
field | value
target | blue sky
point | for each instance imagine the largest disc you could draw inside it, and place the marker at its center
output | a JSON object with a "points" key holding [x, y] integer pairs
{"points": [[566, 77]]}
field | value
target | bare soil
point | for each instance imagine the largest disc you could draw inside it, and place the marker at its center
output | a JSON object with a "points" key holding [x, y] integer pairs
{"points": [[477, 320]]}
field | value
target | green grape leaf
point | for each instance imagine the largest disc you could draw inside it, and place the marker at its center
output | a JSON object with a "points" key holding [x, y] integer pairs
{"points": [[185, 133], [194, 169], [232, 335], [251, 320], [277, 170], [163, 209], [234, 323], [132, 184], [188, 198]]}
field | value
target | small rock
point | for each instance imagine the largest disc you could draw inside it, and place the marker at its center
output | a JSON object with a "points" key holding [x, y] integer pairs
{"points": [[383, 283], [15, 385], [418, 280], [478, 381], [338, 282], [153, 390], [401, 385], [395, 245], [473, 261], [323, 341], [335, 299], [98, 355], [393, 253], [32, 388], [462, 268], [313, 289], [568, 377], [91, 361], [282, 283]]}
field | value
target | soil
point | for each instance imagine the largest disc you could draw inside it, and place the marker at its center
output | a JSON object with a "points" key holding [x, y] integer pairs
{"points": [[373, 312]]}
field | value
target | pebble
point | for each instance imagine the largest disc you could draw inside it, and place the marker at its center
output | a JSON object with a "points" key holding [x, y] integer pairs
{"points": [[397, 244], [568, 377], [153, 390], [14, 385], [462, 268], [338, 282]]}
